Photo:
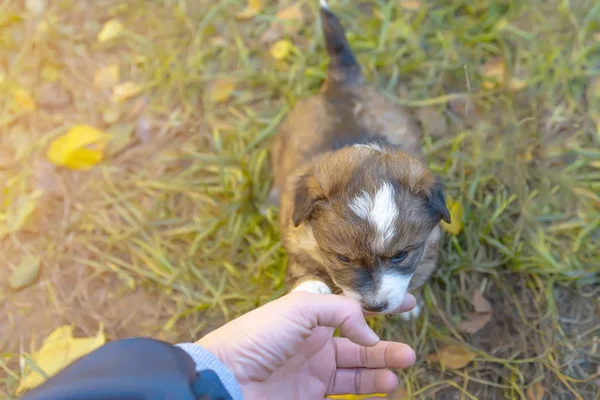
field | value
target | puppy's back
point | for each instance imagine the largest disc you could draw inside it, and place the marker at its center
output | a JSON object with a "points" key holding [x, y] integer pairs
{"points": [[347, 111]]}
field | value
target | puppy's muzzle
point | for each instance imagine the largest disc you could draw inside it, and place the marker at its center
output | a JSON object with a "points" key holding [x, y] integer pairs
{"points": [[375, 308]]}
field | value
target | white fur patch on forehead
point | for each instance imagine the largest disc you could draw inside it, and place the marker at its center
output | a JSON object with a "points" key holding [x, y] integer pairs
{"points": [[371, 146], [324, 4], [380, 210]]}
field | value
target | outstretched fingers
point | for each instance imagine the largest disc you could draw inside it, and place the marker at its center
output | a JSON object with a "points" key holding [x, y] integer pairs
{"points": [[362, 381], [382, 355]]}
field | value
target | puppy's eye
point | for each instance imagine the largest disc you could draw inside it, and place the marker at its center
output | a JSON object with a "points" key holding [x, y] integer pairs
{"points": [[343, 259], [399, 256]]}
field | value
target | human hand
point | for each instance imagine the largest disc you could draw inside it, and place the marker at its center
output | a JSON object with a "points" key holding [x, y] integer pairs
{"points": [[286, 349]]}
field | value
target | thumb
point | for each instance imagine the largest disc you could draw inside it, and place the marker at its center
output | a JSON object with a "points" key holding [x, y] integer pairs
{"points": [[335, 312]]}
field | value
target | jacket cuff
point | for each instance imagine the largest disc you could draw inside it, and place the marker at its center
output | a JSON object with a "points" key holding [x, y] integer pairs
{"points": [[204, 360]]}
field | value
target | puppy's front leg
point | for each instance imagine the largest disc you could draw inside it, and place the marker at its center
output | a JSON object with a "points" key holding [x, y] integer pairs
{"points": [[306, 280], [311, 285]]}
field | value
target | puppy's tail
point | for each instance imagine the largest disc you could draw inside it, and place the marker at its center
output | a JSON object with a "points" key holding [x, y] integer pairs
{"points": [[343, 68]]}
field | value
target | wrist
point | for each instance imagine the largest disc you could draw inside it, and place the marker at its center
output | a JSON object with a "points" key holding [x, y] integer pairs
{"points": [[207, 360]]}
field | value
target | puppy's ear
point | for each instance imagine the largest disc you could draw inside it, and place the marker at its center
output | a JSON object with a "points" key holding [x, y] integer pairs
{"points": [[308, 194], [437, 202]]}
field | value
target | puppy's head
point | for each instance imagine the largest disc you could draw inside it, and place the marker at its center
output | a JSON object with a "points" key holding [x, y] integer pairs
{"points": [[371, 210]]}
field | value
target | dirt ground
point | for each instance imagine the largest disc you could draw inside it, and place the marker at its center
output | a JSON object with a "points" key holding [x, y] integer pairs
{"points": [[166, 236]]}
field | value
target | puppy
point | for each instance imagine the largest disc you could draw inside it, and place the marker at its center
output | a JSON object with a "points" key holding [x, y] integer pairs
{"points": [[359, 210]]}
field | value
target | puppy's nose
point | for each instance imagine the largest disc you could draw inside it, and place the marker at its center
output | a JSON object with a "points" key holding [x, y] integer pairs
{"points": [[376, 307]]}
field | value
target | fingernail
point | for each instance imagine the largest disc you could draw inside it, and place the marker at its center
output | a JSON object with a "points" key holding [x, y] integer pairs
{"points": [[414, 356], [372, 335]]}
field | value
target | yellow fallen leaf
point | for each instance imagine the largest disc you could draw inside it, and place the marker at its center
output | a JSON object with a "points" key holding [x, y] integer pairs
{"points": [[24, 101], [106, 77], [355, 396], [288, 20], [220, 90], [80, 148], [410, 4], [292, 18], [58, 350], [252, 9], [111, 30], [125, 91], [494, 72], [281, 49], [456, 215], [453, 356]]}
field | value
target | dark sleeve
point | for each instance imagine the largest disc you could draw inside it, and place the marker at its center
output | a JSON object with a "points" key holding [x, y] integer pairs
{"points": [[132, 369]]}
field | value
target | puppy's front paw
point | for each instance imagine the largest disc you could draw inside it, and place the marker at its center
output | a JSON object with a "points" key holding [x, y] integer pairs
{"points": [[313, 286], [412, 314]]}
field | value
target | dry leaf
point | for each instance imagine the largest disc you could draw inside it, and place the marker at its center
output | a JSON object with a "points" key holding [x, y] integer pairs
{"points": [[220, 90], [495, 73], [80, 148], [453, 356], [125, 91], [25, 273], [410, 4], [106, 77], [111, 30], [253, 8], [24, 101], [456, 216], [121, 137], [18, 211], [535, 392], [281, 49], [288, 20], [480, 303], [58, 350], [474, 322]]}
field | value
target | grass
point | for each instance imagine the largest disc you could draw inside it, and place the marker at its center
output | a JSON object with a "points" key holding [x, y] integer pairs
{"points": [[166, 238]]}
